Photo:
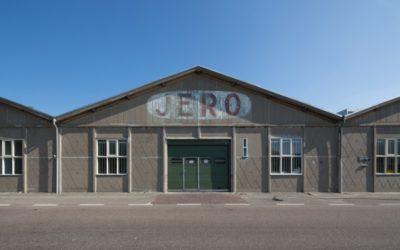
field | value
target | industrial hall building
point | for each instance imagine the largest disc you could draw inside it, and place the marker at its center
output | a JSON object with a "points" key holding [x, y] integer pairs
{"points": [[199, 130]]}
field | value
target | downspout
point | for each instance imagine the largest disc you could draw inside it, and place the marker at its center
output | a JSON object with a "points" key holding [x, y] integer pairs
{"points": [[57, 157], [340, 172]]}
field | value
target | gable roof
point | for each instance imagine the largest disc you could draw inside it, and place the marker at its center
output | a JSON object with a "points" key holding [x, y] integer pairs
{"points": [[372, 108], [26, 109], [198, 70]]}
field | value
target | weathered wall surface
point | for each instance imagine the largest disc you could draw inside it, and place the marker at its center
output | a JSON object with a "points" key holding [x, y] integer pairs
{"points": [[147, 163], [11, 183], [39, 136], [41, 164], [137, 110], [12, 117], [321, 159], [252, 172], [356, 142], [77, 161], [389, 114], [112, 183]]}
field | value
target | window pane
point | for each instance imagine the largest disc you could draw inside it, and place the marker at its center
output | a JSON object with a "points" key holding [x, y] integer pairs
{"points": [[275, 147], [7, 147], [112, 165], [398, 147], [296, 147], [245, 152], [380, 165], [244, 142], [102, 148], [286, 147], [1, 148], [112, 148], [275, 165], [391, 144], [122, 165], [286, 165], [296, 165], [8, 165], [18, 165], [18, 148], [390, 165], [122, 148], [398, 165], [380, 147], [102, 166]]}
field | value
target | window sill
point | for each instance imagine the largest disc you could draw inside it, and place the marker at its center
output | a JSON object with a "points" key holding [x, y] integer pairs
{"points": [[111, 174], [387, 174], [10, 175], [287, 174]]}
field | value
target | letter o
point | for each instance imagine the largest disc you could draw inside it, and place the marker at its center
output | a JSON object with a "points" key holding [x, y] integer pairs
{"points": [[228, 104]]}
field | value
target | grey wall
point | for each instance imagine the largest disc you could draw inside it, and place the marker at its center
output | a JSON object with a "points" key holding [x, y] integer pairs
{"points": [[39, 136], [134, 111], [252, 174]]}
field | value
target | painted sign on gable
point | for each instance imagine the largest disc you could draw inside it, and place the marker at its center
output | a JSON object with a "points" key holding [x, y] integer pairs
{"points": [[199, 104]]}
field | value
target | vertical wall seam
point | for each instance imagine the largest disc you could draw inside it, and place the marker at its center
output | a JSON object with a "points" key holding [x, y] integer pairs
{"points": [[302, 158], [94, 163], [340, 162], [129, 159], [234, 165], [374, 158], [59, 174], [25, 177], [268, 168], [165, 160]]}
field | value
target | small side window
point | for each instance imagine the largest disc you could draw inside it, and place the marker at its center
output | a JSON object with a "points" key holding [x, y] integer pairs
{"points": [[245, 148]]}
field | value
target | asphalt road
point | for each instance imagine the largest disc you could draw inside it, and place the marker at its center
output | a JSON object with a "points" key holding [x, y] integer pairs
{"points": [[364, 224]]}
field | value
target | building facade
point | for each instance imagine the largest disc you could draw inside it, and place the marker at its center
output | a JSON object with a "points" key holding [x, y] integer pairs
{"points": [[199, 130]]}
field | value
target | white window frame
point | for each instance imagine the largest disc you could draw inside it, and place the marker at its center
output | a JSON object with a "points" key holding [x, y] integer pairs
{"points": [[12, 156], [107, 156], [245, 148], [281, 155], [386, 155]]}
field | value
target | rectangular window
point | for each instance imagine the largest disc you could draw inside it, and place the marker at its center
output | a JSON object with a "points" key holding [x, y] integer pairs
{"points": [[245, 148], [388, 156], [286, 156], [112, 157], [11, 157]]}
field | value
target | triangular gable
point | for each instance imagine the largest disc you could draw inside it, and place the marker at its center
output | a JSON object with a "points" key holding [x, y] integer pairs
{"points": [[26, 109], [197, 70]]}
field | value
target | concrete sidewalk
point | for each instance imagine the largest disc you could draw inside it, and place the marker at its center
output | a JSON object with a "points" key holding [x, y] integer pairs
{"points": [[211, 198]]}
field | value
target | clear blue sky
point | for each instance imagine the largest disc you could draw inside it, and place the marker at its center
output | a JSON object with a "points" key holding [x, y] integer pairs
{"points": [[60, 55]]}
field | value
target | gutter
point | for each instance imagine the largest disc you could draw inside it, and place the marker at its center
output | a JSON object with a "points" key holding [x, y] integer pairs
{"points": [[57, 156]]}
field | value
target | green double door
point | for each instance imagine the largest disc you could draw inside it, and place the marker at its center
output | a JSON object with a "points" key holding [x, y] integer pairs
{"points": [[198, 165]]}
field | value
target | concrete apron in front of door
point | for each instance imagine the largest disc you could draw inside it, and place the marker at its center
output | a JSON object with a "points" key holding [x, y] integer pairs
{"points": [[204, 198]]}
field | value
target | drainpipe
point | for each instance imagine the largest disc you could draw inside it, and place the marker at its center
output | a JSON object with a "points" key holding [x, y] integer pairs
{"points": [[56, 156], [340, 172]]}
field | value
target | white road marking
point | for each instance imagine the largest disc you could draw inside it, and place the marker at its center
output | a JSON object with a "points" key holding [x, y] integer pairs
{"points": [[188, 204], [341, 204], [140, 204], [290, 204], [389, 204], [4, 205], [45, 205], [237, 204], [91, 204]]}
